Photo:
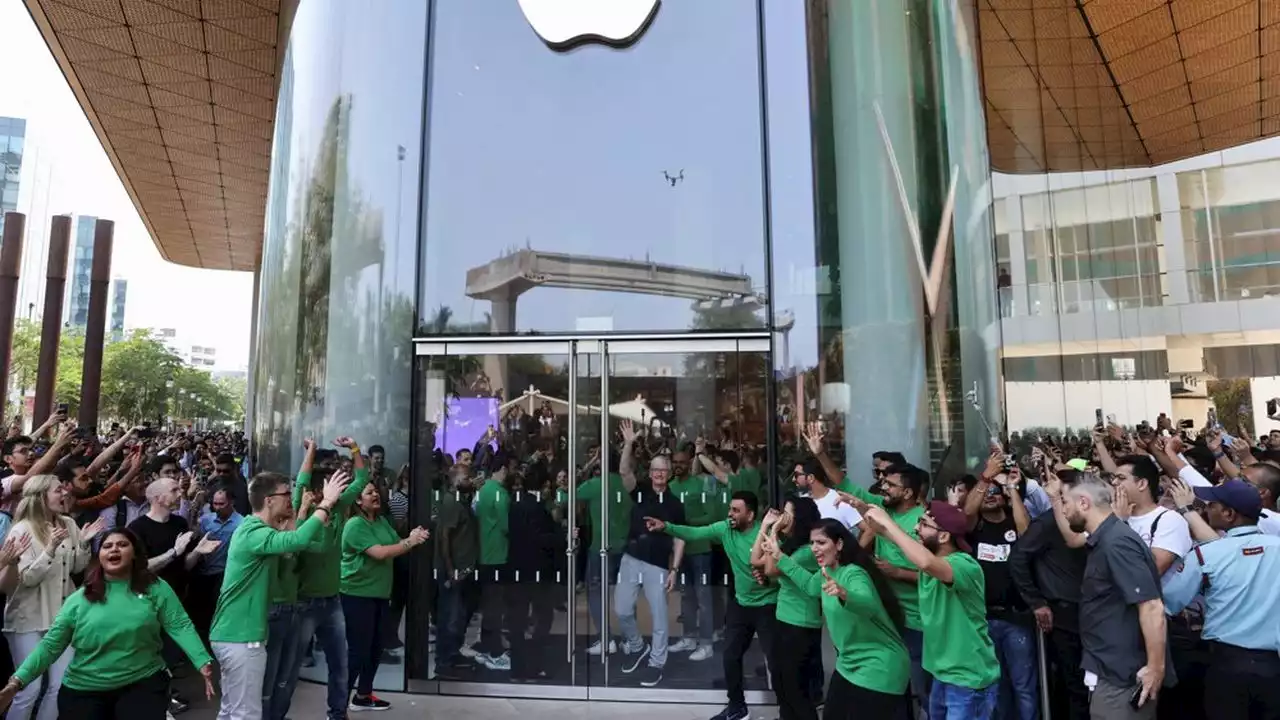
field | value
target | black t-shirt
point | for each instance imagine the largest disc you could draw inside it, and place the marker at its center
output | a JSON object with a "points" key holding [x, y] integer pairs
{"points": [[158, 538], [653, 548], [992, 545]]}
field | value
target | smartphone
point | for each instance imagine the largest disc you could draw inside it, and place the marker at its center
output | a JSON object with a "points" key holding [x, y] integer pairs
{"points": [[1212, 417], [1273, 406], [63, 408], [1135, 697], [1097, 414]]}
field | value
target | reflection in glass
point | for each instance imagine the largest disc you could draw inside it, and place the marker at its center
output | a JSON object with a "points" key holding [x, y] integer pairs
{"points": [[594, 190]]}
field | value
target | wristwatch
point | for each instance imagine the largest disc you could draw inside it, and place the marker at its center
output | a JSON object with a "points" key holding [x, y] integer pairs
{"points": [[1182, 510]]}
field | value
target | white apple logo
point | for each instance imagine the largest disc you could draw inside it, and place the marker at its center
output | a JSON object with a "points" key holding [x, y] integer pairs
{"points": [[563, 24]]}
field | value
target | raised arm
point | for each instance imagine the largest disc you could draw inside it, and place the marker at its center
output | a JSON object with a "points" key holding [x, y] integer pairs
{"points": [[814, 438], [714, 532], [361, 474], [101, 459], [627, 465], [917, 554]]}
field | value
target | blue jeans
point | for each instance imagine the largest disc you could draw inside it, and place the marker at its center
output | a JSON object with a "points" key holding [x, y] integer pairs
{"points": [[952, 702], [451, 619], [284, 651], [1016, 651], [695, 598], [634, 576], [323, 620], [595, 601], [920, 680]]}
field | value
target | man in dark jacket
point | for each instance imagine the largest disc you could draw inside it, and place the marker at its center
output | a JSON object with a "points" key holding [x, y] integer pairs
{"points": [[533, 538]]}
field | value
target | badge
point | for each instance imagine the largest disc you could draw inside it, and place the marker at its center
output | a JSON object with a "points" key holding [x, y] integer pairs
{"points": [[1252, 551], [1010, 535]]}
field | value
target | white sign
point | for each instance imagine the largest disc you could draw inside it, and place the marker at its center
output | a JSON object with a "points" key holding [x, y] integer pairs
{"points": [[565, 23]]}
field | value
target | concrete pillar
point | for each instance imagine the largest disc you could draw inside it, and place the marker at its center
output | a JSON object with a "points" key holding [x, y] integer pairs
{"points": [[99, 280], [1175, 249], [1017, 256], [10, 262], [51, 320]]}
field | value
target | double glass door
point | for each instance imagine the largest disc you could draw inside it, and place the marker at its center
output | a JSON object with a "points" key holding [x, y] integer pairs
{"points": [[538, 601]]}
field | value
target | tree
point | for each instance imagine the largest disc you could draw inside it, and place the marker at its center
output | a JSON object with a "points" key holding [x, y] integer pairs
{"points": [[137, 377]]}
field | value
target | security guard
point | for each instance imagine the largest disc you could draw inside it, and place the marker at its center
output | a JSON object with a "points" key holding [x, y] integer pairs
{"points": [[1238, 575]]}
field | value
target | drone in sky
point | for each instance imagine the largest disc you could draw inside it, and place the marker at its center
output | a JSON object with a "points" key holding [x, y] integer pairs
{"points": [[673, 179]]}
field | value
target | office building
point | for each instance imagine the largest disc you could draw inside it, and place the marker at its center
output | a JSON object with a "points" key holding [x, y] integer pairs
{"points": [[13, 132], [80, 273], [916, 224], [119, 296]]}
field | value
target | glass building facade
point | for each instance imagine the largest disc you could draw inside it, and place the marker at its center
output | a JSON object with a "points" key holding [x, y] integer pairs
{"points": [[77, 314], [13, 132], [752, 217]]}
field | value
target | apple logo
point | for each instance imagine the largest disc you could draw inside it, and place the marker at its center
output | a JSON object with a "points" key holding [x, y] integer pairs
{"points": [[565, 24]]}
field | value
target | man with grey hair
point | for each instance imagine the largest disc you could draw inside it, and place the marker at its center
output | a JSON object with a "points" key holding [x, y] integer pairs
{"points": [[1125, 652]]}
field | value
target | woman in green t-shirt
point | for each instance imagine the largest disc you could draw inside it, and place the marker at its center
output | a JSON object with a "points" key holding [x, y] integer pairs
{"points": [[370, 546], [865, 621], [797, 640], [114, 625]]}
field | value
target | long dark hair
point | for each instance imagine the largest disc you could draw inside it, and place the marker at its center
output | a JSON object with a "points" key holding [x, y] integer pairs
{"points": [[140, 578], [851, 553], [804, 517]]}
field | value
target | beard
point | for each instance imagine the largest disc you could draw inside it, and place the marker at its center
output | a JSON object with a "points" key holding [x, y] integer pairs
{"points": [[1076, 523], [931, 544]]}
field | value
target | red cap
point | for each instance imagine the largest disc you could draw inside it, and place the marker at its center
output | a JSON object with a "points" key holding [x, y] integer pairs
{"points": [[952, 520]]}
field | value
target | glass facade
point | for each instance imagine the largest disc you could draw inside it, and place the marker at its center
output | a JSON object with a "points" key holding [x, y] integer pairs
{"points": [[81, 271], [13, 132], [754, 217]]}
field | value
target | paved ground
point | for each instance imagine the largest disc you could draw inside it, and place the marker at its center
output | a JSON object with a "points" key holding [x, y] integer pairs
{"points": [[309, 704]]}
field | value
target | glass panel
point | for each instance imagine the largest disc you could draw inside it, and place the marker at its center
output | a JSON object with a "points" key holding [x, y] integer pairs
{"points": [[502, 442], [630, 189], [681, 402]]}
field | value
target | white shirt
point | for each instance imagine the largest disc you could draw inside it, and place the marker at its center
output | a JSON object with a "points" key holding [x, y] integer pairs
{"points": [[1269, 523], [1172, 534], [831, 507], [43, 581]]}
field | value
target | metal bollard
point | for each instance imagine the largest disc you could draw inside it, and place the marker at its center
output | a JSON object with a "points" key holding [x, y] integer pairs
{"points": [[1042, 657]]}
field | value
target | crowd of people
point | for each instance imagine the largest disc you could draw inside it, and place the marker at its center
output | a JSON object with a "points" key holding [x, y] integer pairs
{"points": [[1142, 560]]}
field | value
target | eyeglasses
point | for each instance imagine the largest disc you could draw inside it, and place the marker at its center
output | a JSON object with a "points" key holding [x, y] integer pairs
{"points": [[877, 472], [286, 493], [886, 483], [931, 526]]}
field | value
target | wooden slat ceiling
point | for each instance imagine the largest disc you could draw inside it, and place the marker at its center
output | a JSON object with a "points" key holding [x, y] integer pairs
{"points": [[182, 95], [1102, 84]]}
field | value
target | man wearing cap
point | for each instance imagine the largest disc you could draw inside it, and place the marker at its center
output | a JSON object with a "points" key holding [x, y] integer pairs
{"points": [[1238, 575], [958, 651]]}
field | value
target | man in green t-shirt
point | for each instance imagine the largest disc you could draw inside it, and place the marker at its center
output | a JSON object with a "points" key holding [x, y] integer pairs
{"points": [[457, 548], [701, 496], [958, 651], [608, 539], [493, 507]]}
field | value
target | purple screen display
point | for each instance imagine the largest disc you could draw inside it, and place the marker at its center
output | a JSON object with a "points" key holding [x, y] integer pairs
{"points": [[468, 418]]}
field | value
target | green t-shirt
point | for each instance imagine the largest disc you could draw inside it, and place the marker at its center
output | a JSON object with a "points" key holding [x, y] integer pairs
{"points": [[363, 576], [116, 642], [319, 569], [701, 497], [908, 593], [795, 605], [592, 493], [284, 581], [456, 521], [241, 615], [957, 647], [493, 508], [870, 652], [737, 547]]}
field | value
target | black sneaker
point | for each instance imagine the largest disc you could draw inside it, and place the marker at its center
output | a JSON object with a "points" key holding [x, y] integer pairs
{"points": [[734, 712], [359, 704], [650, 676], [177, 706], [632, 660]]}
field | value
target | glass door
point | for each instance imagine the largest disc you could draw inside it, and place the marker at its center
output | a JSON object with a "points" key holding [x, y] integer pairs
{"points": [[682, 417], [530, 457]]}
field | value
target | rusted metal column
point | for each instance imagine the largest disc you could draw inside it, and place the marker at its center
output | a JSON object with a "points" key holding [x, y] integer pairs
{"points": [[95, 329], [10, 262], [55, 286]]}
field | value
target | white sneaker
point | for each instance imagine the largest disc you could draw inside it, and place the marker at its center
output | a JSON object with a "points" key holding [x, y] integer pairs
{"points": [[717, 636], [702, 653], [595, 648], [502, 662], [468, 651], [685, 645]]}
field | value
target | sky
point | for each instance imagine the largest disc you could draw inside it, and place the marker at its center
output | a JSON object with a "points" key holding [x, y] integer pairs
{"points": [[65, 170]]}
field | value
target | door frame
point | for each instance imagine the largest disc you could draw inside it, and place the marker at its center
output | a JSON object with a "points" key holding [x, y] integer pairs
{"points": [[575, 347]]}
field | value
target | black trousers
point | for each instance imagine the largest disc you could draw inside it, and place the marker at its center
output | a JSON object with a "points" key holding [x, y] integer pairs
{"points": [[493, 606], [1070, 697], [531, 602], [202, 600], [742, 625], [363, 617], [846, 701], [1241, 684], [399, 598], [792, 647], [147, 699]]}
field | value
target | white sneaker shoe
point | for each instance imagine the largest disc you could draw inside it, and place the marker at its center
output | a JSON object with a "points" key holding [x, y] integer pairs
{"points": [[685, 645], [502, 662], [595, 648], [702, 653], [467, 651]]}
